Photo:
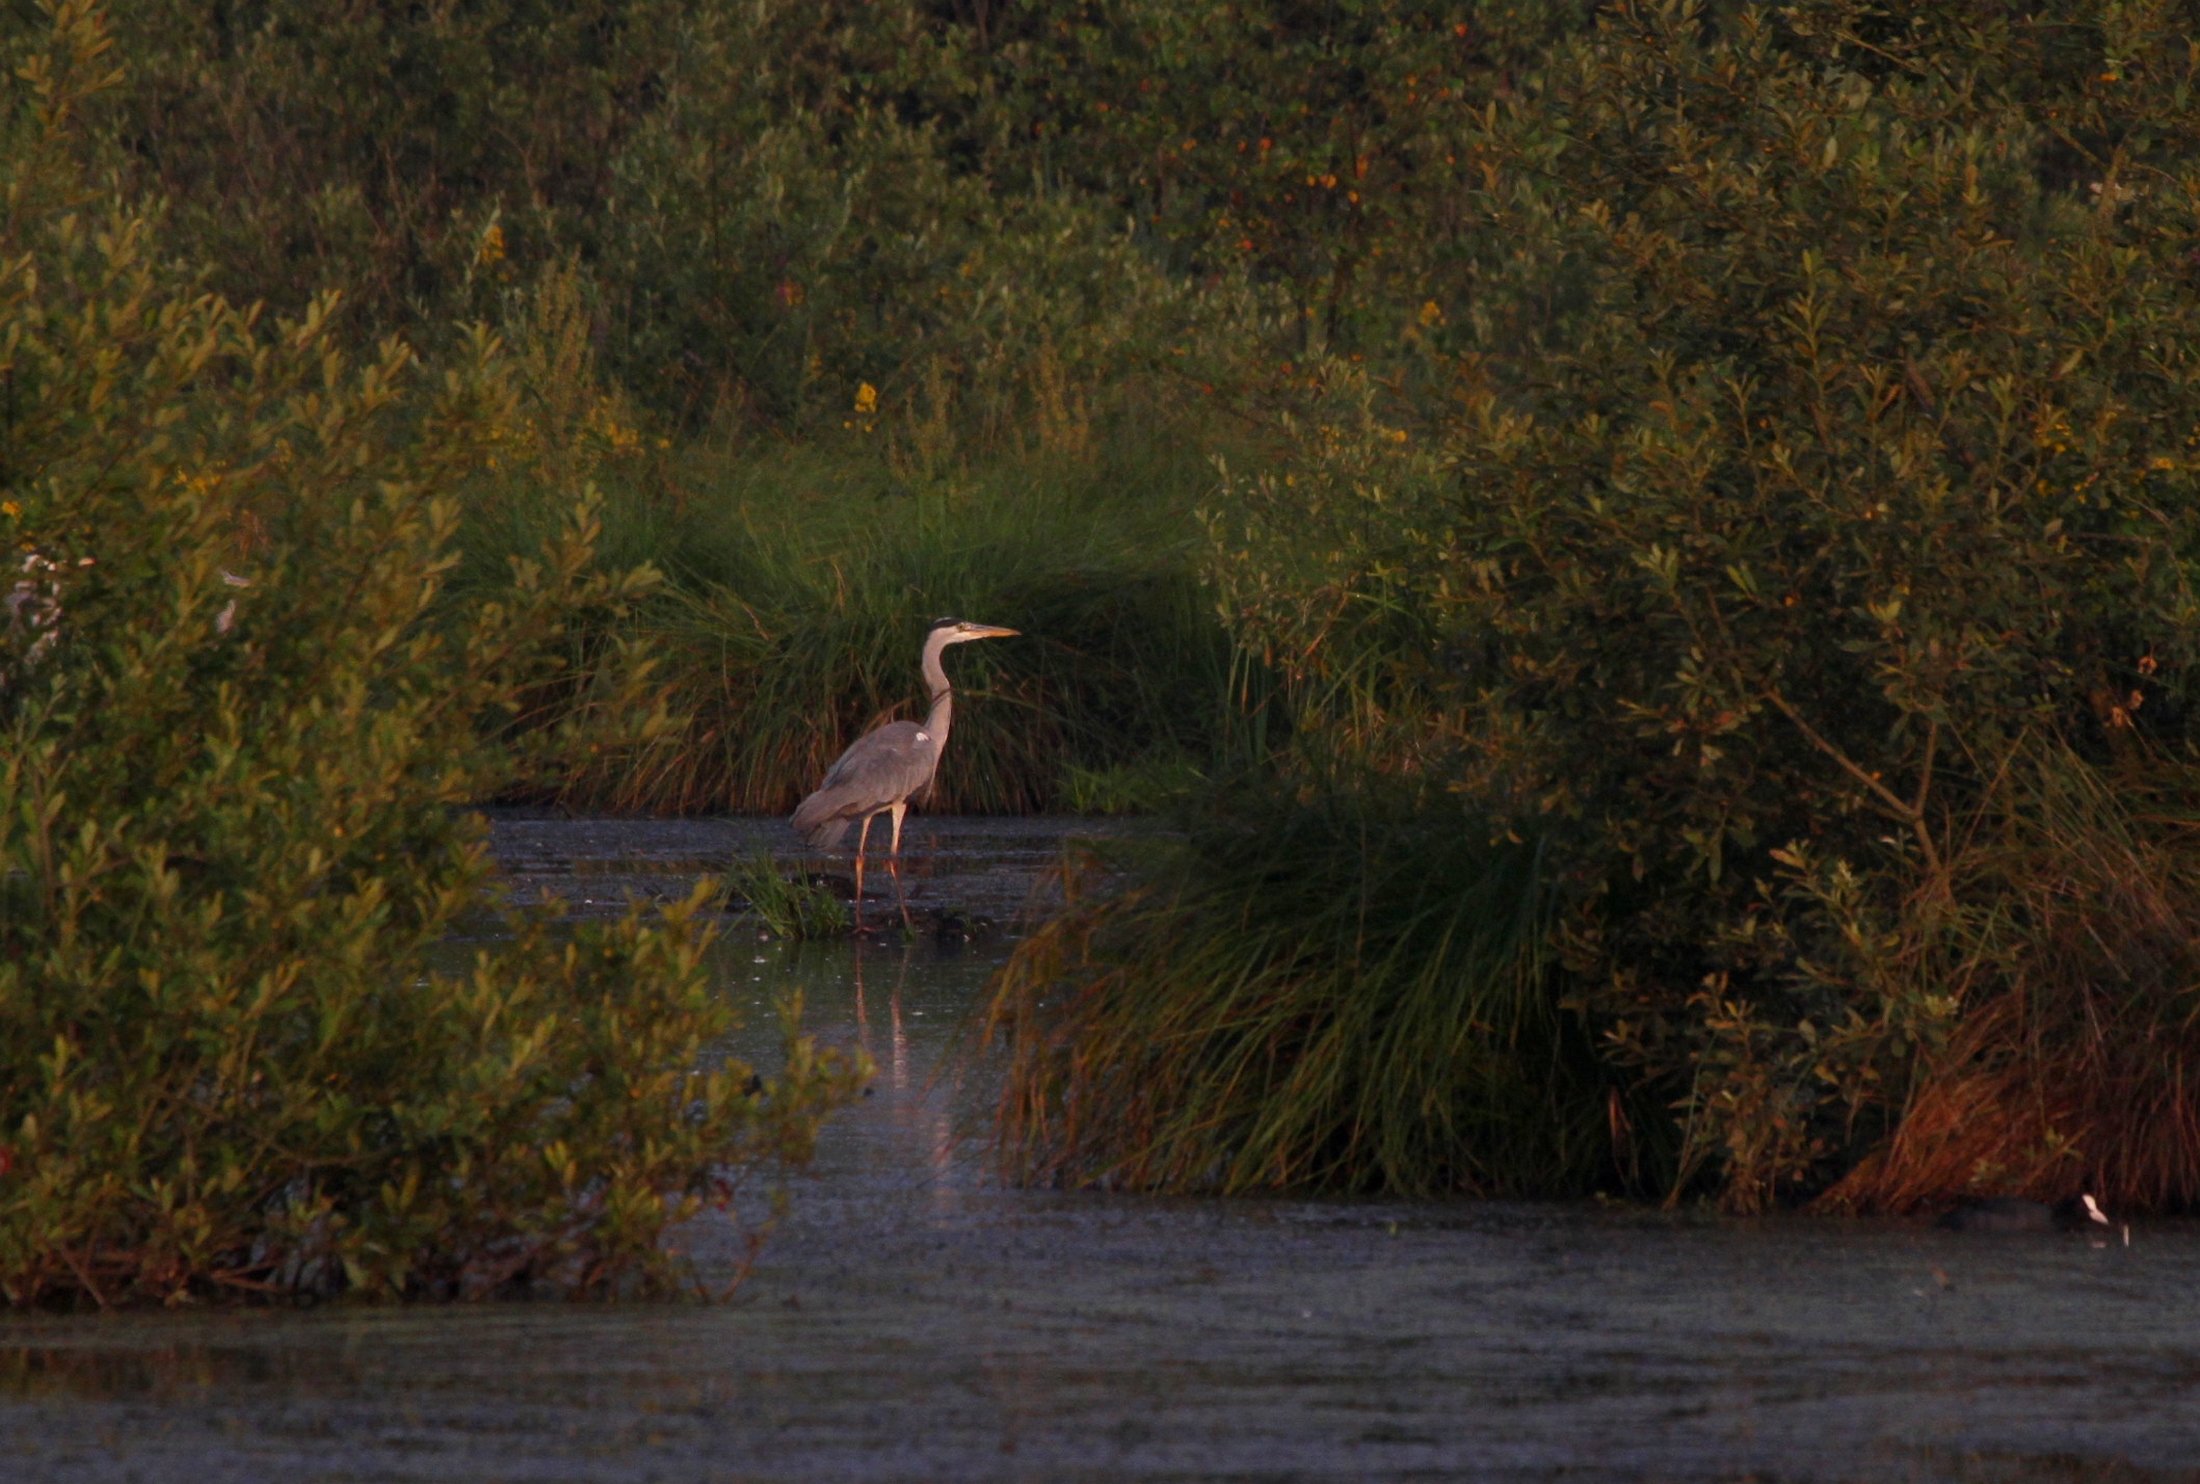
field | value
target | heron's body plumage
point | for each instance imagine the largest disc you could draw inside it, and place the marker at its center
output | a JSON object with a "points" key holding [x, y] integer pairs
{"points": [[895, 762]]}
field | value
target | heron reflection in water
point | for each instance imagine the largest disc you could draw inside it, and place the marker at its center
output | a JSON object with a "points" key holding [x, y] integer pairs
{"points": [[889, 765]]}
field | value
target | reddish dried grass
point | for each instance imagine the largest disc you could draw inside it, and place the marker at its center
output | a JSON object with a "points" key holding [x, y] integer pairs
{"points": [[2010, 1111], [2072, 1065]]}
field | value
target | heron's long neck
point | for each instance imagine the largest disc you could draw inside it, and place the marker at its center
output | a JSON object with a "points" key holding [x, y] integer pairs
{"points": [[942, 715]]}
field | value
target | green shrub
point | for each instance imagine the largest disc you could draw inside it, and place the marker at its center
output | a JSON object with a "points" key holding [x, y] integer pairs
{"points": [[1831, 454], [761, 203], [773, 204], [1313, 151], [235, 1055]]}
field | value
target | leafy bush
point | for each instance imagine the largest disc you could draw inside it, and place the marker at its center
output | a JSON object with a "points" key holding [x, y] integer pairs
{"points": [[760, 203], [1312, 150], [236, 1053], [773, 204], [1831, 457]]}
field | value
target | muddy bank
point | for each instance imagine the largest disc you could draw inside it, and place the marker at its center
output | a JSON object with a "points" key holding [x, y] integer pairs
{"points": [[912, 1320]]}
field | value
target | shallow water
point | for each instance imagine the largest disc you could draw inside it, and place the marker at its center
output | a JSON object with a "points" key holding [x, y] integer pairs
{"points": [[913, 1321]]}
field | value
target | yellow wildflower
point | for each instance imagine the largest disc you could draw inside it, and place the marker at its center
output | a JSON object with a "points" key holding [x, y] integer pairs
{"points": [[866, 398]]}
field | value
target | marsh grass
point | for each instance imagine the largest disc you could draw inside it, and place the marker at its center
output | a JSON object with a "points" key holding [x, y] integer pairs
{"points": [[1348, 994], [801, 581], [2068, 944], [781, 905], [1147, 785]]}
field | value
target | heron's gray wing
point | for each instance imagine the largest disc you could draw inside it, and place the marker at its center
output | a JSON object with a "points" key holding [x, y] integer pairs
{"points": [[879, 769]]}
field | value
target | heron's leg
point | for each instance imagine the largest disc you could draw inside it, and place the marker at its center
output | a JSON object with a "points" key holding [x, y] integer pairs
{"points": [[894, 860], [893, 864], [862, 838]]}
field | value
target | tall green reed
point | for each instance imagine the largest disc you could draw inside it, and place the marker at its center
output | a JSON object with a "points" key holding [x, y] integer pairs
{"points": [[1347, 992], [800, 581]]}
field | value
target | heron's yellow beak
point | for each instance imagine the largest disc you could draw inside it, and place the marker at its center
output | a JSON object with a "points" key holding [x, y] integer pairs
{"points": [[988, 631]]}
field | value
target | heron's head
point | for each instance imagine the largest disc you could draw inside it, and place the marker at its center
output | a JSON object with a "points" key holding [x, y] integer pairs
{"points": [[962, 631]]}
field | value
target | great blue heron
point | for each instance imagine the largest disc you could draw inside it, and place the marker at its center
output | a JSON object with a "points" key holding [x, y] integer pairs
{"points": [[885, 766]]}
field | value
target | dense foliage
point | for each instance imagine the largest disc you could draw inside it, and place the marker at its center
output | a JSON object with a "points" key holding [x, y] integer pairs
{"points": [[1839, 480], [765, 208], [241, 1047], [1804, 557], [847, 340], [1738, 458]]}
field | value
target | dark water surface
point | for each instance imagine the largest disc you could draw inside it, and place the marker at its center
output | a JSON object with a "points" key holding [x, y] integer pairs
{"points": [[913, 1321]]}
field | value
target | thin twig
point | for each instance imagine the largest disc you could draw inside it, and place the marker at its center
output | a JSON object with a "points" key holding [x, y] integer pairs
{"points": [[1912, 815]]}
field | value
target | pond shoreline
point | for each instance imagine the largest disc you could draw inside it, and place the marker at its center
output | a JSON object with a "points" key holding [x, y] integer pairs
{"points": [[913, 1319]]}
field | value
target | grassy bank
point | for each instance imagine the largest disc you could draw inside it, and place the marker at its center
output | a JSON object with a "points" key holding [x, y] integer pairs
{"points": [[1353, 993], [800, 579]]}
